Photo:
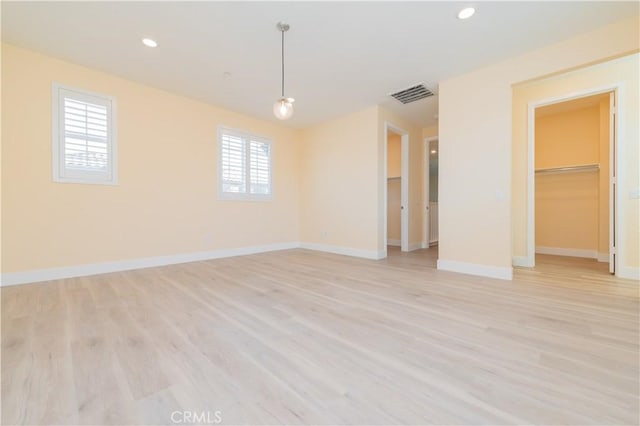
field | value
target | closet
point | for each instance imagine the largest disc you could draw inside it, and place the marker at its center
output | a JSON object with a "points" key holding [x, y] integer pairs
{"points": [[572, 196]]}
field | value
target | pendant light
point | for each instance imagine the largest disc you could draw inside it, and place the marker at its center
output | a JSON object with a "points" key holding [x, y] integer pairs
{"points": [[283, 108]]}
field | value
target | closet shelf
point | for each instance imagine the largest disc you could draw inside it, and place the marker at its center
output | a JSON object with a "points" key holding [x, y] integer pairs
{"points": [[570, 169], [394, 177]]}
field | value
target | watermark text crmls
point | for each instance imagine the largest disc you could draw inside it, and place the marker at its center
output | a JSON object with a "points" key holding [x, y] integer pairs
{"points": [[188, 417]]}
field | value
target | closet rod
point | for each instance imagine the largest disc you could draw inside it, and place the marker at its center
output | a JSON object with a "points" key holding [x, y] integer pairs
{"points": [[569, 169]]}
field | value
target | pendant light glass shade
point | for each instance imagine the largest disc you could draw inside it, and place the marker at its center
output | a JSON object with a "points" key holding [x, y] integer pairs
{"points": [[283, 108]]}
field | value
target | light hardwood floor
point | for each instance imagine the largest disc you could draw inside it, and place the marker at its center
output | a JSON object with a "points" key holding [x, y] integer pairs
{"points": [[305, 337]]}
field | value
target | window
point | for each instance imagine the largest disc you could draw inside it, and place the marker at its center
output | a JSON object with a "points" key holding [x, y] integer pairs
{"points": [[244, 166], [84, 142]]}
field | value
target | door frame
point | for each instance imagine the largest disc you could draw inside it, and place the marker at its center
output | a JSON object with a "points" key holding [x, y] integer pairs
{"points": [[614, 145], [427, 178], [404, 185]]}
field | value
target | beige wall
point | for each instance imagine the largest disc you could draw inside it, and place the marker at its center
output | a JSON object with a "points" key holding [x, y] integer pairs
{"points": [[339, 164], [342, 164], [477, 165], [428, 132], [622, 71], [394, 153], [166, 200], [568, 138]]}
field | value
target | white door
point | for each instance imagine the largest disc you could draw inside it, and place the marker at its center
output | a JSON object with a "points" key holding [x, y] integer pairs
{"points": [[612, 182], [427, 213], [404, 192]]}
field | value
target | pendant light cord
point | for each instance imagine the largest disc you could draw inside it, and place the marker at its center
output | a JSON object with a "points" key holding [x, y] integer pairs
{"points": [[282, 63]]}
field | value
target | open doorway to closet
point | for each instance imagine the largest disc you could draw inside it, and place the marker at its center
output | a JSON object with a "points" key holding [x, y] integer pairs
{"points": [[397, 188], [574, 201]]}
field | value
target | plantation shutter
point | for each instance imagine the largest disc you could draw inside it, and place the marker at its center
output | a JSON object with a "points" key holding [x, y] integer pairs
{"points": [[86, 138], [233, 164], [260, 167], [245, 166]]}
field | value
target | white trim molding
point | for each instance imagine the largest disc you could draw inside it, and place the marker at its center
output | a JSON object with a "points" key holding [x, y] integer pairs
{"points": [[629, 273], [33, 276], [394, 243], [521, 261], [346, 251], [617, 143], [603, 257], [500, 272], [415, 246]]}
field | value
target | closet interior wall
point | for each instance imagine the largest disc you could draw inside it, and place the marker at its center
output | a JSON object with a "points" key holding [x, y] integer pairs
{"points": [[571, 181], [394, 189]]}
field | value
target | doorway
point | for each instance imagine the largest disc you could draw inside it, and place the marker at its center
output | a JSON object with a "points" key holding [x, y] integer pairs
{"points": [[396, 219], [573, 192]]}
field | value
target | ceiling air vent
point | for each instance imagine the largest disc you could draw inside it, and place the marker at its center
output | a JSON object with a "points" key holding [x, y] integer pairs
{"points": [[412, 94]]}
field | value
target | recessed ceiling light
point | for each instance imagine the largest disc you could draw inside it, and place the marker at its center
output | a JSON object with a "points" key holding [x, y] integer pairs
{"points": [[466, 13], [433, 151], [149, 43]]}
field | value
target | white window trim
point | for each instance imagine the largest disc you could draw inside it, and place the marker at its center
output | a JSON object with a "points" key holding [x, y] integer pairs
{"points": [[56, 145], [231, 196]]}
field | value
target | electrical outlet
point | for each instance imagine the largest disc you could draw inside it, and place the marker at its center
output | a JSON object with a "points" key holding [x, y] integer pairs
{"points": [[324, 234]]}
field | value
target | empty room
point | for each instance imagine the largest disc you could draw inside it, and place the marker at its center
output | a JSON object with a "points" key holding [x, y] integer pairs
{"points": [[320, 213]]}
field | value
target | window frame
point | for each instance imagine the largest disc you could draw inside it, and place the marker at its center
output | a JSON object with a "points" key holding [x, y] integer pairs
{"points": [[61, 173], [246, 138]]}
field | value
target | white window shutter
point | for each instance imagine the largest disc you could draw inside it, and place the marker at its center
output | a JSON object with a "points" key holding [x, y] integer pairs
{"points": [[84, 137], [244, 166], [86, 141], [260, 167], [233, 164]]}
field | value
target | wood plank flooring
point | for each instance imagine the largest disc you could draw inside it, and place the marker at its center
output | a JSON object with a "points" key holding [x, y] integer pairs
{"points": [[301, 337]]}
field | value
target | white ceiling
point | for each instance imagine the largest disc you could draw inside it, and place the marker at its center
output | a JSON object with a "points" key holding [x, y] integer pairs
{"points": [[340, 56]]}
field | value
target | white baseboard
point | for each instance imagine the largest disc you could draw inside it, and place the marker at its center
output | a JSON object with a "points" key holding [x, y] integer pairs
{"points": [[521, 261], [501, 272], [412, 246], [629, 272], [13, 278], [415, 246], [425, 245], [346, 251], [524, 261], [560, 251]]}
